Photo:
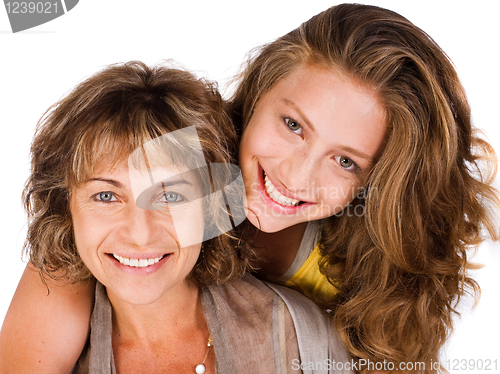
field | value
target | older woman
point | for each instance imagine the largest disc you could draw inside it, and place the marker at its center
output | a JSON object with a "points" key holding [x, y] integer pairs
{"points": [[122, 189]]}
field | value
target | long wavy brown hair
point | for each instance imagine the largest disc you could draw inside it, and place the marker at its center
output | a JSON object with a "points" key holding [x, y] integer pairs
{"points": [[99, 124], [403, 264]]}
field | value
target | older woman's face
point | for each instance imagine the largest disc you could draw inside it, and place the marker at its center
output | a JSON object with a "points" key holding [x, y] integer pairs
{"points": [[137, 251]]}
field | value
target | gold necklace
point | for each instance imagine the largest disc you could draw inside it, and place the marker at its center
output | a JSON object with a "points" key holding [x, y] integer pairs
{"points": [[200, 369]]}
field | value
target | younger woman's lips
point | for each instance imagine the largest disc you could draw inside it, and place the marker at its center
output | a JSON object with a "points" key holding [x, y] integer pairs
{"points": [[273, 204]]}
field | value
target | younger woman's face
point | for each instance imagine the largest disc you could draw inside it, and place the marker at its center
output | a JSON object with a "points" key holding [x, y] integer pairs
{"points": [[308, 148]]}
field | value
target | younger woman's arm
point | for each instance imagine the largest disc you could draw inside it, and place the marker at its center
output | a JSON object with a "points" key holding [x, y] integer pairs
{"points": [[45, 333]]}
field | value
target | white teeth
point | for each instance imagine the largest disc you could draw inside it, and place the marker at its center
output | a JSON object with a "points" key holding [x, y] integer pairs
{"points": [[282, 200], [138, 263], [277, 196]]}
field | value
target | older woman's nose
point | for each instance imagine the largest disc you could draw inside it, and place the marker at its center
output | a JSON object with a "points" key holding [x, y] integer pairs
{"points": [[139, 226]]}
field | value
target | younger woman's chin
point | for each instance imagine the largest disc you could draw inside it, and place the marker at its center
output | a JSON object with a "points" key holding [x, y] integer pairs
{"points": [[254, 220], [267, 226]]}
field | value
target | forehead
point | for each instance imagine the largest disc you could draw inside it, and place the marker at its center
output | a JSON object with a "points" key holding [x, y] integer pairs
{"points": [[175, 150], [328, 86], [178, 148], [338, 107]]}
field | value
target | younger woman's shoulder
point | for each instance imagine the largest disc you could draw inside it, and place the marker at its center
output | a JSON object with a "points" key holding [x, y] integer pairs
{"points": [[262, 306]]}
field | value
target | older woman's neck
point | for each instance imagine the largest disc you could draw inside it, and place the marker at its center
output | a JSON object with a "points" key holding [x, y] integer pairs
{"points": [[170, 317]]}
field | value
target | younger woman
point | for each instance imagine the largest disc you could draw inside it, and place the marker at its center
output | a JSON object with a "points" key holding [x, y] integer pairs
{"points": [[357, 123], [359, 107]]}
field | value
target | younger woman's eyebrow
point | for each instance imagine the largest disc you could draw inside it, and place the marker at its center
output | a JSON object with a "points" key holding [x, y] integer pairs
{"points": [[110, 181], [357, 152], [354, 151], [301, 114]]}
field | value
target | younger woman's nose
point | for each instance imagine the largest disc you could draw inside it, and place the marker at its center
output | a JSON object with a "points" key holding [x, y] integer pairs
{"points": [[298, 173]]}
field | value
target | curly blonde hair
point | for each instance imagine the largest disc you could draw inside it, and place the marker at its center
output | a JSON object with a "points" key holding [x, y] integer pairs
{"points": [[402, 265], [103, 120]]}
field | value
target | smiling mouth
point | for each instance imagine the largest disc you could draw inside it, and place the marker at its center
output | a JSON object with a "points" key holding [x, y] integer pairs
{"points": [[277, 196], [138, 262]]}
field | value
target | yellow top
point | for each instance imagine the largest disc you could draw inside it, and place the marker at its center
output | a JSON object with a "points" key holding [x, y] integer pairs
{"points": [[309, 281]]}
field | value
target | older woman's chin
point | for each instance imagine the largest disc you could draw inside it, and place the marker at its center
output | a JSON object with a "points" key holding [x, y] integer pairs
{"points": [[134, 282]]}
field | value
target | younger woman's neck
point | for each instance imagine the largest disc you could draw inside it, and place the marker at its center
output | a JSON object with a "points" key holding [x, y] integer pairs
{"points": [[277, 250]]}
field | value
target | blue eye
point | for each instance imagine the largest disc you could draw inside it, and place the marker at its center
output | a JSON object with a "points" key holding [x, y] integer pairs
{"points": [[172, 197], [106, 196], [293, 125]]}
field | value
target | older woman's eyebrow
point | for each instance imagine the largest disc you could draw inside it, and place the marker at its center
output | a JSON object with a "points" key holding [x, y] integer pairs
{"points": [[161, 184], [170, 183], [110, 181]]}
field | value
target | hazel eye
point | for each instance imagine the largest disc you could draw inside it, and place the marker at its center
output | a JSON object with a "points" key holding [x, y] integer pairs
{"points": [[346, 162], [294, 126]]}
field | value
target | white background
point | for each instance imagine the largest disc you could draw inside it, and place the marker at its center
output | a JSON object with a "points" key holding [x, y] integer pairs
{"points": [[212, 38]]}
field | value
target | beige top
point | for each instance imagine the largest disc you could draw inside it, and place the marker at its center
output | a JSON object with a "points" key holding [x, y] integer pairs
{"points": [[254, 329]]}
